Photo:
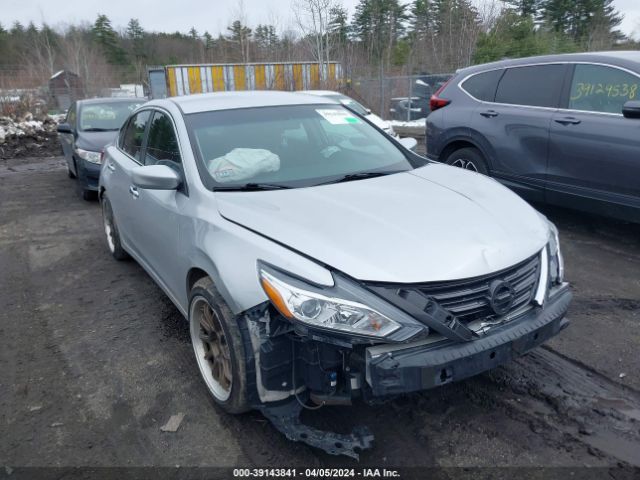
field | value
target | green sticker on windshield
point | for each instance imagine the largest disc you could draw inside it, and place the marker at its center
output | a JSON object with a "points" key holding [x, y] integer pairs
{"points": [[338, 117]]}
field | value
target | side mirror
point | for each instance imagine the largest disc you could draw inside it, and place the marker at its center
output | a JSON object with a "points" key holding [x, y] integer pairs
{"points": [[156, 177], [631, 109], [422, 83], [368, 110], [408, 142], [64, 128]]}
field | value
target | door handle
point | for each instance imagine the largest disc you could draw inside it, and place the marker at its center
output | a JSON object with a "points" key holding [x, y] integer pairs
{"points": [[111, 166], [567, 121], [134, 191], [489, 114]]}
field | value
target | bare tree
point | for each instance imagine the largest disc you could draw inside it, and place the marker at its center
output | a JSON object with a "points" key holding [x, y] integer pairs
{"points": [[313, 18], [240, 33]]}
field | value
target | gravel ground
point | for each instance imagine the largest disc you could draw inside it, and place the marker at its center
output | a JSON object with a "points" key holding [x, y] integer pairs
{"points": [[94, 359]]}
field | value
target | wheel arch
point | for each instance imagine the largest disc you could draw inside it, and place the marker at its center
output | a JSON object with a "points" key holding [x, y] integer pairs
{"points": [[193, 275], [202, 267], [459, 143]]}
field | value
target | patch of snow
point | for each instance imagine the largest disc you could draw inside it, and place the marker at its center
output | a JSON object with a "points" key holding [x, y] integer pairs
{"points": [[420, 123]]}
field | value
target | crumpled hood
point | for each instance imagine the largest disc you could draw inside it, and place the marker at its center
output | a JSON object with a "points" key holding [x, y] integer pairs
{"points": [[434, 223]]}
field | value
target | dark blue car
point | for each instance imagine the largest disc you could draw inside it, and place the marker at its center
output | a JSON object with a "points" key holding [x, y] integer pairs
{"points": [[561, 129], [91, 125]]}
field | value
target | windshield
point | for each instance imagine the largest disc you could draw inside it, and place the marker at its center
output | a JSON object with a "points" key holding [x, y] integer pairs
{"points": [[351, 104], [290, 146], [98, 117]]}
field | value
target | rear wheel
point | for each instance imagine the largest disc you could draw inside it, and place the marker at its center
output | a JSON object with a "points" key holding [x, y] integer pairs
{"points": [[111, 231], [218, 347], [468, 158]]}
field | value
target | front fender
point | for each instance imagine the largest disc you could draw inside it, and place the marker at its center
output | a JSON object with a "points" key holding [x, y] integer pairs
{"points": [[229, 253]]}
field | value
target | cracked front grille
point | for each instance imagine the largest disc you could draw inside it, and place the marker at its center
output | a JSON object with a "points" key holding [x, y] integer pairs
{"points": [[469, 299]]}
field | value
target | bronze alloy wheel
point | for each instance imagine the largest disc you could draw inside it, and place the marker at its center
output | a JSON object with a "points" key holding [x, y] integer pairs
{"points": [[211, 348]]}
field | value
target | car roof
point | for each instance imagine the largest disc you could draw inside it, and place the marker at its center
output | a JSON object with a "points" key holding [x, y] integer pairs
{"points": [[624, 58], [322, 93], [206, 102], [89, 101]]}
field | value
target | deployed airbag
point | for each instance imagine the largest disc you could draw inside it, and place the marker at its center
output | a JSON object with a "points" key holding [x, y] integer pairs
{"points": [[243, 163]]}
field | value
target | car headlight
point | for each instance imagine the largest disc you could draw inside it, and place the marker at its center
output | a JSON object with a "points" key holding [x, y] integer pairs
{"points": [[88, 155], [556, 263], [345, 307]]}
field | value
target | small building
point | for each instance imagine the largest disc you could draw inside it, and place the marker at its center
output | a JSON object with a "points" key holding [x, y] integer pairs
{"points": [[64, 88]]}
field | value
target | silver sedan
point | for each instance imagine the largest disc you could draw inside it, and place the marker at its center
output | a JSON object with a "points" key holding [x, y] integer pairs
{"points": [[319, 261]]}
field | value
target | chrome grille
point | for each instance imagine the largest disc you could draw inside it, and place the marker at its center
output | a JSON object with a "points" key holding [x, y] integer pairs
{"points": [[469, 299]]}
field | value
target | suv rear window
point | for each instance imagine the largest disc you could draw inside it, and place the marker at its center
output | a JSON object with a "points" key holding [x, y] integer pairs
{"points": [[483, 85], [537, 86]]}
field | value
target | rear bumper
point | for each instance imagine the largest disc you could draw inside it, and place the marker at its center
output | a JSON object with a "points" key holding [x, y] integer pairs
{"points": [[409, 368]]}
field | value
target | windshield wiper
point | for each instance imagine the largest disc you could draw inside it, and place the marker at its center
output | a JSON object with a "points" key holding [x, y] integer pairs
{"points": [[360, 176], [96, 129], [252, 187]]}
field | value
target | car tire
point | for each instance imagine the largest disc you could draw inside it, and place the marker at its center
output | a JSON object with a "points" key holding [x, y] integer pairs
{"points": [[111, 231], [218, 347], [468, 158], [89, 195]]}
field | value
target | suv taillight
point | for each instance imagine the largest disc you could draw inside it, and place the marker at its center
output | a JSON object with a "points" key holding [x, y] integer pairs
{"points": [[436, 102]]}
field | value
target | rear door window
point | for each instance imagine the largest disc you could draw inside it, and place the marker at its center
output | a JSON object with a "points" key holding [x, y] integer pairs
{"points": [[134, 134], [536, 86], [162, 145], [597, 88], [482, 86]]}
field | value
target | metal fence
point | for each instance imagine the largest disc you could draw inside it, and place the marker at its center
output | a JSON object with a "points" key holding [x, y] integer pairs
{"points": [[403, 98]]}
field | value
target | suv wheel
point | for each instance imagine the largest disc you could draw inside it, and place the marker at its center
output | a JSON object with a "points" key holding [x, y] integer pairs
{"points": [[111, 231], [469, 159], [218, 347]]}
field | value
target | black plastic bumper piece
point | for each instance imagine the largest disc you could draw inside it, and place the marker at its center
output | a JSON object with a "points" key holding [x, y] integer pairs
{"points": [[428, 366], [286, 418]]}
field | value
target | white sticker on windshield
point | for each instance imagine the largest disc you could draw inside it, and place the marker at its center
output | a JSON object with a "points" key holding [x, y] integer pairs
{"points": [[338, 117]]}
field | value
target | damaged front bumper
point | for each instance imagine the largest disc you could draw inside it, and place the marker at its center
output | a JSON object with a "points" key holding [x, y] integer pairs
{"points": [[291, 372], [395, 369]]}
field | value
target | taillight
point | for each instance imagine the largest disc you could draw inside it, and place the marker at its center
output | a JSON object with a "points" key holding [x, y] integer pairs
{"points": [[436, 102]]}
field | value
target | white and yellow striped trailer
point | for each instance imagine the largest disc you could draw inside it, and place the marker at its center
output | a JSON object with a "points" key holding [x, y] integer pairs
{"points": [[203, 78]]}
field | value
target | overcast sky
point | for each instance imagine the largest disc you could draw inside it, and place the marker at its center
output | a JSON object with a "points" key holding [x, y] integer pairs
{"points": [[181, 15]]}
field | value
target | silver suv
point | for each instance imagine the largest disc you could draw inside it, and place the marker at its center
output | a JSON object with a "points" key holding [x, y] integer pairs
{"points": [[319, 261]]}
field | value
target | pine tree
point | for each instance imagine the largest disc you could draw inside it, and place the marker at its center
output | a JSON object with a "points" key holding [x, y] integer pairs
{"points": [[338, 24], [421, 19], [265, 36], [105, 36], [135, 30], [240, 35], [580, 19], [525, 8], [17, 28], [379, 24], [208, 40], [135, 33]]}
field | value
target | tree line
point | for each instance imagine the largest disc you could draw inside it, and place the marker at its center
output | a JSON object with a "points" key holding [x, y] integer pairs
{"points": [[382, 37]]}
